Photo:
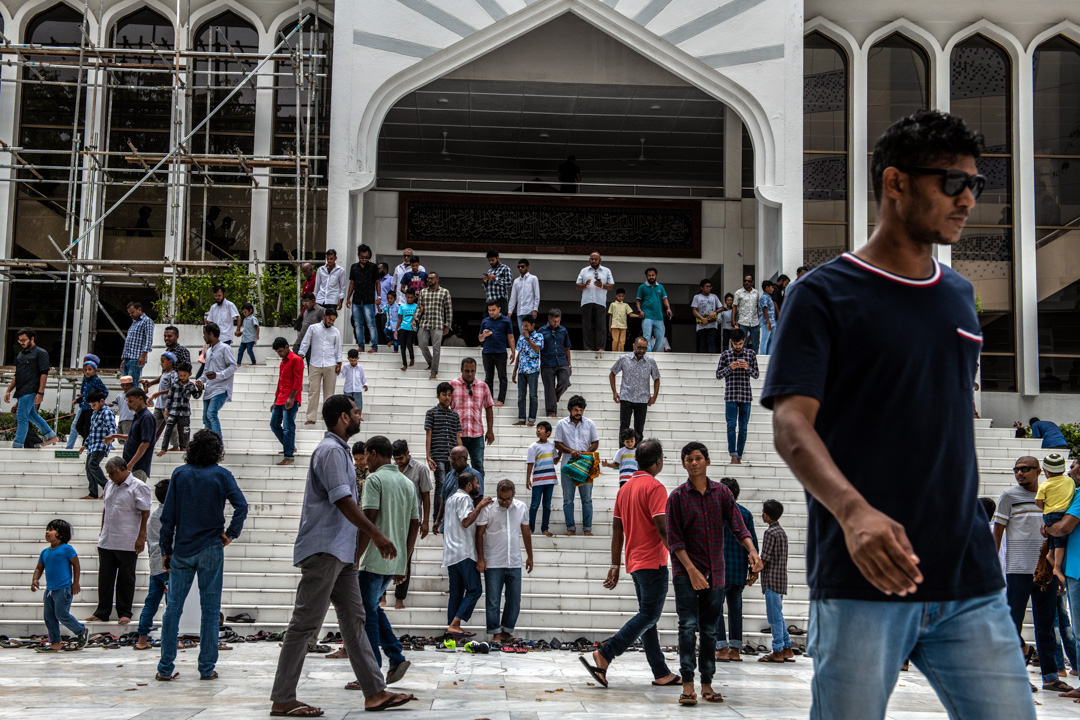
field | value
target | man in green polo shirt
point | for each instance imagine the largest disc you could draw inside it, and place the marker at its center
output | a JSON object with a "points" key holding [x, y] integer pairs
{"points": [[652, 302], [389, 502]]}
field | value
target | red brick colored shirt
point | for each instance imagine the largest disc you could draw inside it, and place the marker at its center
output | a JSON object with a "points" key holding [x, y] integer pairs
{"points": [[641, 499], [290, 377]]}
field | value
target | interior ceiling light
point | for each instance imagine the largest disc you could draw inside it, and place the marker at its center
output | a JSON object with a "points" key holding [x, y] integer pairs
{"points": [[642, 157], [544, 135], [443, 101], [444, 151], [655, 107]]}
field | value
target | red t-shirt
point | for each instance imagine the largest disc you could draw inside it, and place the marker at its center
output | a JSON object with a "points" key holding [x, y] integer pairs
{"points": [[290, 377], [642, 498]]}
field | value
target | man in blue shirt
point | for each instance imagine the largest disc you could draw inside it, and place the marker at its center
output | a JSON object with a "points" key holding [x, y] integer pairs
{"points": [[555, 367], [496, 335], [652, 300], [138, 341], [1062, 528], [1051, 434], [192, 541], [766, 316], [900, 560]]}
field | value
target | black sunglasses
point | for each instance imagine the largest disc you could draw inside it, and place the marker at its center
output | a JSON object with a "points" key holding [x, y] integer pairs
{"points": [[955, 180], [1024, 468]]}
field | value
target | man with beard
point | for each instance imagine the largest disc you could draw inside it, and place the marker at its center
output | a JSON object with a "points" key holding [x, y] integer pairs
{"points": [[594, 281]]}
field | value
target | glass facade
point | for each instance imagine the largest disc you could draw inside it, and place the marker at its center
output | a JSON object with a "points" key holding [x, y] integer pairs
{"points": [[980, 92], [1056, 110], [825, 156]]}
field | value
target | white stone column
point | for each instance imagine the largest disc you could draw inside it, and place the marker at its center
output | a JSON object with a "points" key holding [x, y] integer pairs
{"points": [[9, 118], [733, 168], [259, 243], [1026, 310]]}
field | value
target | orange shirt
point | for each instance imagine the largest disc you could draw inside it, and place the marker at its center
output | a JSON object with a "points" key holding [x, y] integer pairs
{"points": [[641, 499]]}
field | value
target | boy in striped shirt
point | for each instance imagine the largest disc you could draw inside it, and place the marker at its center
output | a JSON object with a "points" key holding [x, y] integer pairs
{"points": [[625, 461], [540, 475]]}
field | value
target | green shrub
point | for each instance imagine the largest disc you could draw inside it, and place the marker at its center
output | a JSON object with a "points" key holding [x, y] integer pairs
{"points": [[7, 423], [194, 294]]}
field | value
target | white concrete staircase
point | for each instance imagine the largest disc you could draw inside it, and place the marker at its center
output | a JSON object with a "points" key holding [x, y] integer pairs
{"points": [[562, 597]]}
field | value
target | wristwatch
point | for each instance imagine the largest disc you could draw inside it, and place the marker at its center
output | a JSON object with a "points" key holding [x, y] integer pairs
{"points": [[615, 567]]}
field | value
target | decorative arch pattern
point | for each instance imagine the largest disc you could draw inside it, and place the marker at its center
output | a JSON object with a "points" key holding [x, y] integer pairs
{"points": [[825, 143]]}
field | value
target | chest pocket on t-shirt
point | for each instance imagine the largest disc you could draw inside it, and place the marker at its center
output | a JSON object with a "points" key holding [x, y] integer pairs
{"points": [[969, 347]]}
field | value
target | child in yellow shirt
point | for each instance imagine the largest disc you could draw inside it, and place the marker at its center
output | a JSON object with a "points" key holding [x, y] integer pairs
{"points": [[1054, 497], [618, 311]]}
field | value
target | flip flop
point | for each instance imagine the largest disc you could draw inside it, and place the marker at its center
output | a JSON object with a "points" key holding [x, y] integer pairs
{"points": [[48, 649], [397, 672], [458, 636], [241, 618], [1057, 686], [211, 676], [136, 647], [795, 630], [299, 711], [674, 681], [598, 675], [166, 678], [391, 703], [690, 699], [713, 697], [770, 659]]}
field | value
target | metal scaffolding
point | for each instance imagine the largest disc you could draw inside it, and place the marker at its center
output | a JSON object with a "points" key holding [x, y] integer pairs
{"points": [[102, 67]]}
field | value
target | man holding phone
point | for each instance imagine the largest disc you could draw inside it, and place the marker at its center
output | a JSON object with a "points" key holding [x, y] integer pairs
{"points": [[738, 366]]}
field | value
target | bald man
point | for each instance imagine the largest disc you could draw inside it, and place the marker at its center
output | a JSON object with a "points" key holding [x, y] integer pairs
{"points": [[459, 463], [1019, 521]]}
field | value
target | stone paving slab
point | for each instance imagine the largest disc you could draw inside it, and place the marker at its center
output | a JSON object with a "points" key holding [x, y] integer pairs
{"points": [[96, 684]]}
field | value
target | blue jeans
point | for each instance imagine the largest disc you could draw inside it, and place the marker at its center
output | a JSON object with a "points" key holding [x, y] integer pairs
{"points": [[475, 446], [497, 580], [651, 589], [25, 414], [774, 612], [653, 332], [207, 565], [737, 412], [527, 384], [72, 434], [585, 491], [1064, 638], [967, 649], [283, 425], [210, 409], [1072, 586], [358, 398], [699, 614], [364, 315], [541, 495], [732, 636], [131, 367], [57, 611], [766, 340], [464, 590], [379, 631], [249, 348], [753, 336], [154, 595]]}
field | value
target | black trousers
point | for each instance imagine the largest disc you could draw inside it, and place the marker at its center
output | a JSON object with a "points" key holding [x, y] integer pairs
{"points": [[594, 326], [117, 568], [406, 338], [495, 362], [635, 410], [556, 381], [706, 340], [401, 590], [1018, 589]]}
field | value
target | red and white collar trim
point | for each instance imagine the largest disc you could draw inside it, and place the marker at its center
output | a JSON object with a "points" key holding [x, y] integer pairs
{"points": [[928, 282]]}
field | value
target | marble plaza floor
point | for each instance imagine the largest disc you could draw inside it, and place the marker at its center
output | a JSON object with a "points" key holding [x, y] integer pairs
{"points": [[97, 684]]}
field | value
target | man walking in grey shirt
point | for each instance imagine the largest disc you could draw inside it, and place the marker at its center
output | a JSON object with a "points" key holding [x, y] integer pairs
{"points": [[633, 395], [325, 552]]}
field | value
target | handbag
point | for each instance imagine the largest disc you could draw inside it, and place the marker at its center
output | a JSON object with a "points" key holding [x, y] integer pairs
{"points": [[580, 471]]}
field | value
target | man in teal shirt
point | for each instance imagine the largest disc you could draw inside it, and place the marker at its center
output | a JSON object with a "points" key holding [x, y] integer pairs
{"points": [[1062, 528], [652, 300], [389, 502]]}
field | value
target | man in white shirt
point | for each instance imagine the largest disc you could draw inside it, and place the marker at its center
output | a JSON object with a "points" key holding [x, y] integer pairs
{"points": [[223, 314], [746, 312], [574, 435], [400, 271], [594, 281], [499, 531], [331, 283], [524, 294], [324, 341], [217, 379], [459, 552]]}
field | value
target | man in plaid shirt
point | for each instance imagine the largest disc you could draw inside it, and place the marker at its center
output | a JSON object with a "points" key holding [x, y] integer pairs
{"points": [[435, 311], [102, 425], [699, 514], [138, 341], [498, 281], [738, 365], [470, 398], [737, 576]]}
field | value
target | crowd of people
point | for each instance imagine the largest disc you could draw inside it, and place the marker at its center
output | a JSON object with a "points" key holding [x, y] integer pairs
{"points": [[901, 560]]}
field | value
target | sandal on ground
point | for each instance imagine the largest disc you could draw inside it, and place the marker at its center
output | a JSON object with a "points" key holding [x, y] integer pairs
{"points": [[598, 674], [674, 681], [395, 700], [166, 678], [713, 697], [795, 630], [211, 676], [320, 649], [301, 710], [771, 658], [397, 672], [1057, 686], [690, 699]]}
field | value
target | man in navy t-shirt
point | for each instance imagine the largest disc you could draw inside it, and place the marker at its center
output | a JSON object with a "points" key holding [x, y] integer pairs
{"points": [[900, 561], [496, 335]]}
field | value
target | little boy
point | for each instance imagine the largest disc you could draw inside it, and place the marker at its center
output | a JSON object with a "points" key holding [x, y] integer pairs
{"points": [[443, 428], [159, 576], [60, 563], [165, 382], [248, 332], [124, 414], [528, 366], [774, 552], [391, 311], [1054, 497], [90, 382], [625, 460], [355, 380], [618, 311], [178, 407], [102, 425], [540, 475]]}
